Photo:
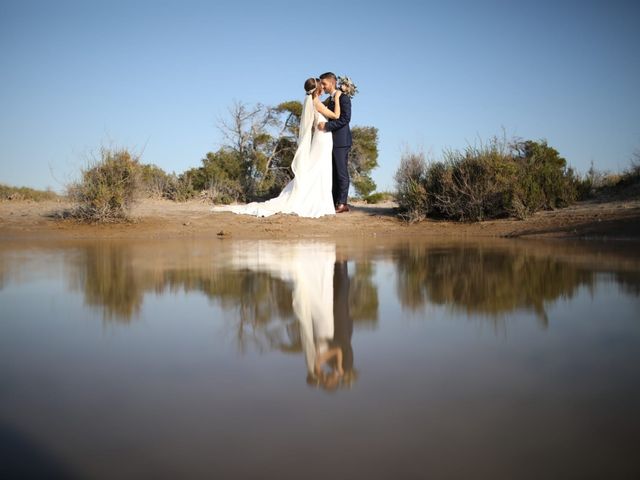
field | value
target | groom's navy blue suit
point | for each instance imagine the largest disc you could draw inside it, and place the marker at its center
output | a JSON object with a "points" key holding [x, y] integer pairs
{"points": [[341, 146]]}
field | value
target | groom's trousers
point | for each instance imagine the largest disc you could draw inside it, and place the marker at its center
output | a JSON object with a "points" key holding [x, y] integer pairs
{"points": [[340, 188]]}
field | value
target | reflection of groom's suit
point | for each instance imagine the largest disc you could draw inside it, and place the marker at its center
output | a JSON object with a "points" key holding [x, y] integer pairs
{"points": [[341, 146], [342, 322]]}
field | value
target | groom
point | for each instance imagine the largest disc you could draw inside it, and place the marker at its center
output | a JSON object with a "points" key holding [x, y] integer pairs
{"points": [[341, 142]]}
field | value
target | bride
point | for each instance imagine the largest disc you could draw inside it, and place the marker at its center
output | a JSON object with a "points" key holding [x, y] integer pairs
{"points": [[309, 193]]}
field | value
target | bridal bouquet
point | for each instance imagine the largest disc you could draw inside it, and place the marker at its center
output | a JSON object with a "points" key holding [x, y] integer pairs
{"points": [[346, 85]]}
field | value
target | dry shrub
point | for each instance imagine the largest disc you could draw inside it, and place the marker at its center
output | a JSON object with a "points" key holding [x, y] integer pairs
{"points": [[179, 188], [411, 193], [108, 187], [631, 176], [606, 185], [471, 185], [224, 192], [156, 183], [496, 179]]}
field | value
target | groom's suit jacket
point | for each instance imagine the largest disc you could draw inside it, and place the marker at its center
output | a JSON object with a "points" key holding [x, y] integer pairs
{"points": [[340, 126]]}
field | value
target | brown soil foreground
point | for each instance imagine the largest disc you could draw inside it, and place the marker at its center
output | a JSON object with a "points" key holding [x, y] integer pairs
{"points": [[161, 219]]}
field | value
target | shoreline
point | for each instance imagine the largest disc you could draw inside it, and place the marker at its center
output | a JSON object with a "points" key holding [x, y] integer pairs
{"points": [[165, 219]]}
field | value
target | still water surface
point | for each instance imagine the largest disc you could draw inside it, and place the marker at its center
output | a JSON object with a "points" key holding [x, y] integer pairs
{"points": [[316, 359]]}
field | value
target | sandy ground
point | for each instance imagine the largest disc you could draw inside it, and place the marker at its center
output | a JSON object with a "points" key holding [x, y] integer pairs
{"points": [[167, 219]]}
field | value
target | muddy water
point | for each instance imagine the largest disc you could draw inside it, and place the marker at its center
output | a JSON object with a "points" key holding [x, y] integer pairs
{"points": [[319, 359]]}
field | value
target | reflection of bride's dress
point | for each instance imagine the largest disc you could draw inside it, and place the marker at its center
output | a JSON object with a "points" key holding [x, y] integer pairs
{"points": [[308, 267], [309, 193]]}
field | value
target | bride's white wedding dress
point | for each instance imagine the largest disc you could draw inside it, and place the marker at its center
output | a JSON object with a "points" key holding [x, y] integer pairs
{"points": [[309, 193]]}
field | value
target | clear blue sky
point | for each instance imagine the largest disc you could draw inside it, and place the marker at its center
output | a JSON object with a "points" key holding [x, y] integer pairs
{"points": [[158, 75]]}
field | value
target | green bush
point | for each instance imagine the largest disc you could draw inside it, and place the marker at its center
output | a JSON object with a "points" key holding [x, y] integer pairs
{"points": [[180, 187], [378, 197], [154, 181], [496, 179], [220, 177], [544, 181], [363, 184], [107, 188]]}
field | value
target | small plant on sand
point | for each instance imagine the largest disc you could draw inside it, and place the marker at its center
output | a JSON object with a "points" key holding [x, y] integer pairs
{"points": [[107, 188]]}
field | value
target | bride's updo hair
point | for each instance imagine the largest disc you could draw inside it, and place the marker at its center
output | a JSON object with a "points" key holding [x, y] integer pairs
{"points": [[311, 85]]}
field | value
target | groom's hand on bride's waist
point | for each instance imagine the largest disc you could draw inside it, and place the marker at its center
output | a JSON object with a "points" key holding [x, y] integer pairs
{"points": [[321, 125]]}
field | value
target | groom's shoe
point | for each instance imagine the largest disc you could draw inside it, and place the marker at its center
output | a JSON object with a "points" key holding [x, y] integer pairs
{"points": [[342, 207]]}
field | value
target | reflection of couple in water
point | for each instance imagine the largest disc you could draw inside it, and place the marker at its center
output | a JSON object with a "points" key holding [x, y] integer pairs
{"points": [[328, 352], [320, 301]]}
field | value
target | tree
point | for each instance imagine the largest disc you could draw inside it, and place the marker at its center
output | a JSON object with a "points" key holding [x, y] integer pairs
{"points": [[247, 135], [264, 140], [363, 158], [278, 167], [259, 143]]}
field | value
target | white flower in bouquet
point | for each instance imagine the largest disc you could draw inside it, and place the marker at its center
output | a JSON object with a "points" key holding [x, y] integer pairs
{"points": [[346, 85]]}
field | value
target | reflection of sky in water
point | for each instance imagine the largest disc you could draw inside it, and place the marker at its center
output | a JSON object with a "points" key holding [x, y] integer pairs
{"points": [[124, 358]]}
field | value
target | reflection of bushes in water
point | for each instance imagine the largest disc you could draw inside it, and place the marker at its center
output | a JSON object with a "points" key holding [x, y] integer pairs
{"points": [[263, 303], [628, 281], [257, 295], [106, 276], [363, 295], [484, 281]]}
